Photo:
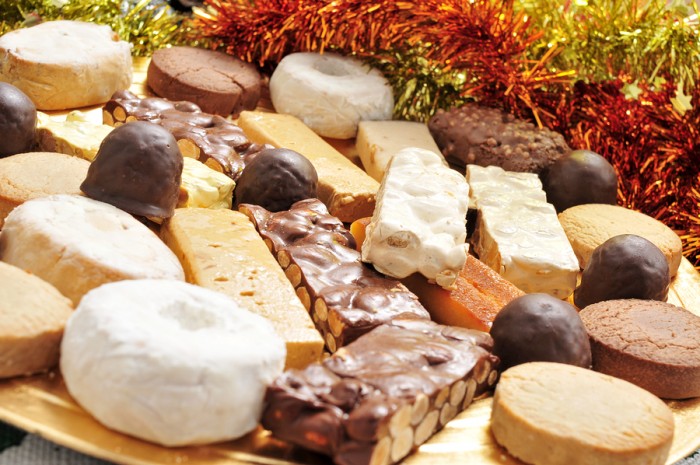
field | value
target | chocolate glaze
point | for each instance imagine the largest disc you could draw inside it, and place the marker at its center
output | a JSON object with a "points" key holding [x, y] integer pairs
{"points": [[484, 136], [221, 144], [342, 406], [17, 121], [580, 177], [540, 328], [138, 168], [331, 269], [276, 179], [624, 267]]}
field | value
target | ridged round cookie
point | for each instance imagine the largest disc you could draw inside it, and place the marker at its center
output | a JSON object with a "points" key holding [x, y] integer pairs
{"points": [[27, 176], [652, 344], [554, 414], [32, 317], [588, 226]]}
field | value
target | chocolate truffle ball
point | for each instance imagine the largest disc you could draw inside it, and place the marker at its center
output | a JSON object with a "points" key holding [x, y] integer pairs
{"points": [[580, 177], [138, 168], [275, 179], [624, 267], [540, 328], [17, 121]]}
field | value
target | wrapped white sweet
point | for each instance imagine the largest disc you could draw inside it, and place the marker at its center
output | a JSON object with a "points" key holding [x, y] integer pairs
{"points": [[419, 220], [518, 233]]}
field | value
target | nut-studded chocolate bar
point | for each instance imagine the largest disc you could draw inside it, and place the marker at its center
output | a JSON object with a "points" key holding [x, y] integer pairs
{"points": [[346, 299], [377, 399], [211, 139]]}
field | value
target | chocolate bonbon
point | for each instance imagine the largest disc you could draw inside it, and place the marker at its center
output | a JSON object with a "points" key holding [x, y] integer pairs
{"points": [[624, 267], [17, 121], [138, 168], [382, 396], [275, 179], [346, 299], [540, 328], [212, 139], [580, 177]]}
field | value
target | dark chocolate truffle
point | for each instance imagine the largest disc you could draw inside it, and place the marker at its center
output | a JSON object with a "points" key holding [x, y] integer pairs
{"points": [[624, 267], [138, 168], [275, 179], [580, 177], [540, 328], [17, 121]]}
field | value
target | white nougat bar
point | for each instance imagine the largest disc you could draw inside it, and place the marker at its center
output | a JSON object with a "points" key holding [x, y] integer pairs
{"points": [[518, 233], [419, 221], [378, 141]]}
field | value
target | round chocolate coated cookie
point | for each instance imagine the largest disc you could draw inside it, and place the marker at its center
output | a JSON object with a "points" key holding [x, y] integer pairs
{"points": [[217, 82], [17, 121], [138, 168], [275, 179], [578, 178], [624, 267], [652, 344], [540, 328]]}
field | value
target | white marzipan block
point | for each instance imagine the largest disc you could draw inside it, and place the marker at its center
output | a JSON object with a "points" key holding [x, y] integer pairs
{"points": [[518, 234], [419, 223]]}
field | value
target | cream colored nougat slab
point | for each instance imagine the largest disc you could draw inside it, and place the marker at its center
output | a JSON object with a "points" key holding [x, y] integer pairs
{"points": [[518, 233], [378, 141], [76, 135], [220, 250], [419, 222], [348, 192]]}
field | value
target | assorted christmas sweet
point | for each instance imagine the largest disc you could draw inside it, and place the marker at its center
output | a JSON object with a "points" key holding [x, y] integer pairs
{"points": [[287, 263]]}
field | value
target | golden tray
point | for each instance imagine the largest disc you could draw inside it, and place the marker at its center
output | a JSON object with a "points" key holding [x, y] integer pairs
{"points": [[41, 405]]}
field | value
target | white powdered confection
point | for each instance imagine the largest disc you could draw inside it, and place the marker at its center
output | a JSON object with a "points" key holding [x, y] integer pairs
{"points": [[65, 64], [419, 221], [77, 244], [170, 362], [330, 93], [518, 233], [378, 141], [205, 187]]}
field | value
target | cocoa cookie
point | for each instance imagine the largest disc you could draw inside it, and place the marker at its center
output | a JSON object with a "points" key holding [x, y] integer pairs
{"points": [[555, 414], [588, 226], [478, 135], [217, 82], [652, 344]]}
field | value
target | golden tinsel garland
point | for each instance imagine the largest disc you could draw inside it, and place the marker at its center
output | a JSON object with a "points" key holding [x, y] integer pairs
{"points": [[147, 24]]}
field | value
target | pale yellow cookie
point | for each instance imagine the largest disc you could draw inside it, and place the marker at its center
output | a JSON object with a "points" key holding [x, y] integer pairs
{"points": [[588, 226], [32, 175], [555, 414], [32, 317]]}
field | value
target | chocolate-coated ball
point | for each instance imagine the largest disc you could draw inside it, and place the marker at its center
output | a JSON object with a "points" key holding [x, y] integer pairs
{"points": [[17, 121], [540, 328], [138, 168], [580, 177], [624, 267], [275, 179]]}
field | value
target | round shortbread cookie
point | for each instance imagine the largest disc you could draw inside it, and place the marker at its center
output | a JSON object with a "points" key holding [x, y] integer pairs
{"points": [[554, 414], [27, 176], [218, 83], [32, 317], [588, 226], [78, 244], [65, 64], [652, 344]]}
